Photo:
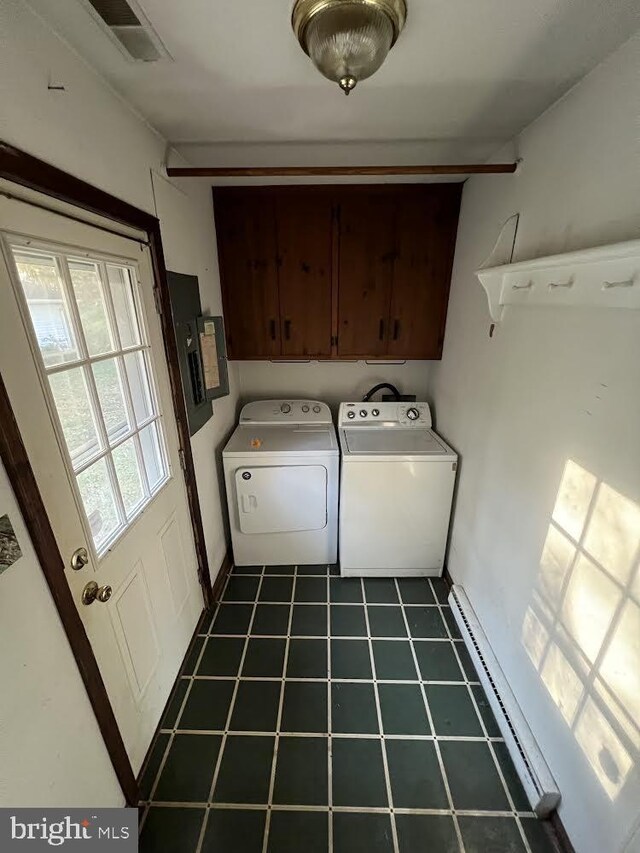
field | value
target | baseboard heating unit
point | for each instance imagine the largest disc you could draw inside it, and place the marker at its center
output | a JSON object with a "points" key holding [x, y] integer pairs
{"points": [[532, 769]]}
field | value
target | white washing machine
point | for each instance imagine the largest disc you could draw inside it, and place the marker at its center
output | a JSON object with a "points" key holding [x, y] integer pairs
{"points": [[396, 488], [281, 469]]}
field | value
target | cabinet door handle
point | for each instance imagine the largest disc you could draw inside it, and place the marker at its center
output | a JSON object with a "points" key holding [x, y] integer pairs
{"points": [[272, 329], [381, 330], [287, 329], [396, 329]]}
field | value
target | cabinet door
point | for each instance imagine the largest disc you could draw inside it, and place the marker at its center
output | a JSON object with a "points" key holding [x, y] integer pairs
{"points": [[246, 229], [304, 233], [367, 248], [426, 229]]}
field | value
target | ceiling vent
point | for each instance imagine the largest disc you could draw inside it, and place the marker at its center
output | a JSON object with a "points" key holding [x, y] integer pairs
{"points": [[128, 27]]}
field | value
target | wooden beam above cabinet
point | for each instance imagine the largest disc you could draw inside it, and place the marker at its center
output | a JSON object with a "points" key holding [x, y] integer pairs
{"points": [[336, 272]]}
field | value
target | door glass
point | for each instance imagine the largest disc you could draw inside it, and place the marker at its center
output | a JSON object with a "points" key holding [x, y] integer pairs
{"points": [[107, 406], [124, 305], [109, 384], [76, 413], [90, 298], [152, 453], [46, 300], [140, 386], [99, 502], [125, 459]]}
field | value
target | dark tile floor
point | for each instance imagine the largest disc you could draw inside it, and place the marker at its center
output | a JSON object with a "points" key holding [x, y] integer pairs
{"points": [[318, 714]]}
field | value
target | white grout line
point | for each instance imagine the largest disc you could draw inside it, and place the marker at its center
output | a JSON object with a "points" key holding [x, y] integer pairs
{"points": [[324, 680], [274, 761], [344, 809], [223, 742], [334, 637], [329, 739], [333, 603], [346, 735], [443, 771], [383, 747], [487, 739], [177, 719]]}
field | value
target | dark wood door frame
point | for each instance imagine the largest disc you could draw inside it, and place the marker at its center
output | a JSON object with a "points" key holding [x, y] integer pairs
{"points": [[28, 171]]}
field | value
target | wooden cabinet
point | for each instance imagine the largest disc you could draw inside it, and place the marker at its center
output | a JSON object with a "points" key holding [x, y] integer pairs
{"points": [[426, 226], [247, 255], [367, 247], [304, 238], [336, 271]]}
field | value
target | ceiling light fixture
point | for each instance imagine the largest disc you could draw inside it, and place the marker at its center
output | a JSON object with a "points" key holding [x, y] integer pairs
{"points": [[348, 40]]}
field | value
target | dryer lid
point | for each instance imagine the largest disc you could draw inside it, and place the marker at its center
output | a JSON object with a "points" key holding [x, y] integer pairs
{"points": [[387, 442], [282, 440]]}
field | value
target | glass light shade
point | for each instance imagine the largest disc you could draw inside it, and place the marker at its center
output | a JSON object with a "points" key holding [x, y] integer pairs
{"points": [[349, 42]]}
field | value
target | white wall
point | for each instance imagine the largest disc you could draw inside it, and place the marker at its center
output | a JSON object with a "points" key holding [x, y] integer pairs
{"points": [[89, 131], [188, 238], [551, 386], [331, 382], [55, 753], [52, 752]]}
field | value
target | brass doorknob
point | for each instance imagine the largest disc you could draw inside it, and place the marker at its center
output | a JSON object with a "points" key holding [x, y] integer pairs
{"points": [[92, 592], [79, 559]]}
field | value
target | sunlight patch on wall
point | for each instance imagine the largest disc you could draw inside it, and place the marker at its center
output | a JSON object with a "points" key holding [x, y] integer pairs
{"points": [[582, 628], [588, 606]]}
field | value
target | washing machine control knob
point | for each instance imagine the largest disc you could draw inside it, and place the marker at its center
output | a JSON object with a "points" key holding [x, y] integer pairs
{"points": [[363, 413], [413, 414], [375, 412], [317, 409], [351, 415], [285, 408], [305, 409]]}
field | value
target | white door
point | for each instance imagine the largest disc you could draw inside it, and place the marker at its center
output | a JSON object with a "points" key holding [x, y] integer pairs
{"points": [[81, 354]]}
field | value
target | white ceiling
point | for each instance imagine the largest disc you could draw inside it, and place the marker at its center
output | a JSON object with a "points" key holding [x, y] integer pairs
{"points": [[463, 73]]}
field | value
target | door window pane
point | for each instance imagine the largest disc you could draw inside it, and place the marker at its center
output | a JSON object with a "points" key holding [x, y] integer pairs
{"points": [[96, 491], [46, 299], [73, 404], [152, 454], [110, 390], [124, 305], [138, 376], [127, 468], [90, 298], [89, 328]]}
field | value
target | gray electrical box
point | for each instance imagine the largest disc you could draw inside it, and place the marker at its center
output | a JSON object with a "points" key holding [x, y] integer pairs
{"points": [[201, 350]]}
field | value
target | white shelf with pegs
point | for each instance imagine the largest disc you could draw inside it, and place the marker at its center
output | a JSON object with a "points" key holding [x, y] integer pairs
{"points": [[603, 277]]}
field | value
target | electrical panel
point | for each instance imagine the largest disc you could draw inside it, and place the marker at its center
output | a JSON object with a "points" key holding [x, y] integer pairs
{"points": [[201, 350]]}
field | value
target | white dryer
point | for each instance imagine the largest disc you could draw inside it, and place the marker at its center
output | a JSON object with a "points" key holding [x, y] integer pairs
{"points": [[281, 469], [396, 489]]}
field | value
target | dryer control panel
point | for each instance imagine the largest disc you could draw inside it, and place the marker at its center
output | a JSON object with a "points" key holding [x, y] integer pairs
{"points": [[286, 411], [385, 415]]}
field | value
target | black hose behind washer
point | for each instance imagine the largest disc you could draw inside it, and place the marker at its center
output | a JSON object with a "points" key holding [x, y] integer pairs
{"points": [[376, 388]]}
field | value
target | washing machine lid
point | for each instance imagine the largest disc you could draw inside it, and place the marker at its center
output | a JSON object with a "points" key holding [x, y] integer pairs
{"points": [[393, 442], [282, 440]]}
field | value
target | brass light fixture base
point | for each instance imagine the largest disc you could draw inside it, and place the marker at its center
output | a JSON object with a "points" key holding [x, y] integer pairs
{"points": [[305, 10]]}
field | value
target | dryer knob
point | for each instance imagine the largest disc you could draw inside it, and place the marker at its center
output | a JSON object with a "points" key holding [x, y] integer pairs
{"points": [[363, 413], [317, 409], [285, 408], [305, 409], [413, 414], [375, 412], [351, 415]]}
